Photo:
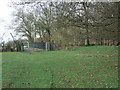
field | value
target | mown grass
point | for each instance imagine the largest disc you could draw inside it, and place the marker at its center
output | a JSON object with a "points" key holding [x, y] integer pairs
{"points": [[81, 67]]}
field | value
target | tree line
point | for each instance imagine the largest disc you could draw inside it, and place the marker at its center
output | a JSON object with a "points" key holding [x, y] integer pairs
{"points": [[67, 23]]}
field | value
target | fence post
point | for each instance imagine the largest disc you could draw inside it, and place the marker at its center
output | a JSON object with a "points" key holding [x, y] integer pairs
{"points": [[46, 46], [28, 44]]}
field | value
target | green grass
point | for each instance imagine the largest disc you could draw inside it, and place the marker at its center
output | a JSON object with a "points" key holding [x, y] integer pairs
{"points": [[82, 67]]}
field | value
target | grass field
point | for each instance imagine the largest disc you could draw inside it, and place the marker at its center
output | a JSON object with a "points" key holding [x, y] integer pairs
{"points": [[83, 67]]}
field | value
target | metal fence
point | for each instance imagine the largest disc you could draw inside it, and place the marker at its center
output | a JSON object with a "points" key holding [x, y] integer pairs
{"points": [[41, 45]]}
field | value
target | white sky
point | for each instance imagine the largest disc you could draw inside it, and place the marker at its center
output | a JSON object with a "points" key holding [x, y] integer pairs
{"points": [[5, 19]]}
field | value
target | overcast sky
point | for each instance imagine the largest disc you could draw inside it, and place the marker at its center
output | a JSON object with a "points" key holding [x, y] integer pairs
{"points": [[5, 19]]}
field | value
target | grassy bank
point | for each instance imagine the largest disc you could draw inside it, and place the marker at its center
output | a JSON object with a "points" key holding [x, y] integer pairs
{"points": [[82, 67]]}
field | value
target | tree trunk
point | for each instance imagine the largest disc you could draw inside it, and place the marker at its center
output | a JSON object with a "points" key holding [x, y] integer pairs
{"points": [[86, 23], [96, 42], [101, 41], [113, 42], [49, 34]]}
